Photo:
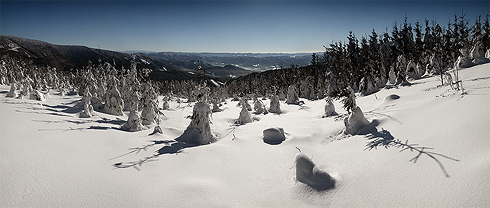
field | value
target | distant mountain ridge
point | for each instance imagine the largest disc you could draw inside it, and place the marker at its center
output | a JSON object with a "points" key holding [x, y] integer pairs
{"points": [[249, 61], [67, 57]]}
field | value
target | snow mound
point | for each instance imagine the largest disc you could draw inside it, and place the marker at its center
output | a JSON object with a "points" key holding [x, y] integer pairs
{"points": [[274, 135], [391, 97], [308, 173]]}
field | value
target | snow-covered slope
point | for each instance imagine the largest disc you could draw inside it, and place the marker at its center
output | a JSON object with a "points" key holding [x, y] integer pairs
{"points": [[51, 158]]}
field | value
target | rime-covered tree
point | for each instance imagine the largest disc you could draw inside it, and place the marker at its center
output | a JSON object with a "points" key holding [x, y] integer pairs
{"points": [[114, 103], [149, 101], [292, 97], [199, 130], [275, 106], [12, 93], [259, 107], [88, 109]]}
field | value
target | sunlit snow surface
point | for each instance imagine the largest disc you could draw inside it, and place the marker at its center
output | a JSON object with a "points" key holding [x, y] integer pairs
{"points": [[51, 158]]}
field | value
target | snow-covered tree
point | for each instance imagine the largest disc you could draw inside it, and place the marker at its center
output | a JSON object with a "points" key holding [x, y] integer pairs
{"points": [[150, 113], [113, 101], [12, 92], [401, 65], [244, 104], [165, 104], [329, 108], [259, 107], [275, 106], [244, 117], [292, 97], [281, 95], [215, 107], [199, 130], [356, 121], [133, 123], [88, 109]]}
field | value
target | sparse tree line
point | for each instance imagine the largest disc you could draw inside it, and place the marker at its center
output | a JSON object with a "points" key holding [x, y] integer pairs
{"points": [[376, 61]]}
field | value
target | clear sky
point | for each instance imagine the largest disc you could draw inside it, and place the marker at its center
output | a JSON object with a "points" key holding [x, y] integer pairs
{"points": [[217, 26]]}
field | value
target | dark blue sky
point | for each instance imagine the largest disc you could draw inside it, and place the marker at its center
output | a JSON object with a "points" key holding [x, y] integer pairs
{"points": [[217, 26]]}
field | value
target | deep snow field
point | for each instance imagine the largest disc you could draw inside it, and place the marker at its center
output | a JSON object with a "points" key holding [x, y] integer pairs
{"points": [[51, 158]]}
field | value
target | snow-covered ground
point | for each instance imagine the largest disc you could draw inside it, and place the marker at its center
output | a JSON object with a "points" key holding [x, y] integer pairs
{"points": [[51, 158]]}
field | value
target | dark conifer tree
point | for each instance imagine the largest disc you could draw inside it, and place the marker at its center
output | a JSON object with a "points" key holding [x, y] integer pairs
{"points": [[486, 34]]}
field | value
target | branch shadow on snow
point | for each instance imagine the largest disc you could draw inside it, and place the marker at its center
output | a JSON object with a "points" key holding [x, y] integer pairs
{"points": [[170, 147], [385, 139], [64, 108]]}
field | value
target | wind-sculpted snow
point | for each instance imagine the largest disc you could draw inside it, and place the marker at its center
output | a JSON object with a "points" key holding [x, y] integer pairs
{"points": [[49, 157]]}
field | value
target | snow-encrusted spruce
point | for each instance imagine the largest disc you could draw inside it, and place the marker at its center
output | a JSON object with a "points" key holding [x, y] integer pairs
{"points": [[281, 95], [244, 103], [37, 95], [26, 87], [392, 77], [134, 119], [149, 100], [88, 109], [412, 70], [356, 121], [329, 108], [401, 64], [292, 97], [308, 173], [244, 117], [12, 93], [259, 106], [215, 106], [133, 123], [113, 101], [130, 83], [165, 105], [199, 130], [464, 60], [275, 106]]}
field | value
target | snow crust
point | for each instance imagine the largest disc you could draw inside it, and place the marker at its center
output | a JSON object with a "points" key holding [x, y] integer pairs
{"points": [[49, 157]]}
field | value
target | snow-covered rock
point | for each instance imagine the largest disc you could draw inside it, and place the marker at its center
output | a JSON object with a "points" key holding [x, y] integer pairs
{"points": [[274, 135], [308, 173]]}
